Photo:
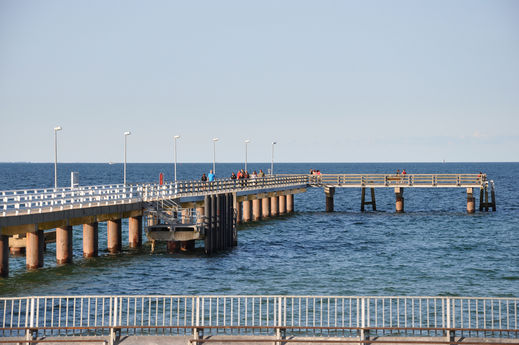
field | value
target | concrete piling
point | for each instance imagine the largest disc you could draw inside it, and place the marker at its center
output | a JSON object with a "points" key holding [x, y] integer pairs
{"points": [[4, 256], [135, 232], [471, 201], [246, 211], [265, 207], [64, 245], [274, 206], [90, 240], [282, 204], [113, 237], [290, 203], [256, 209], [34, 249]]}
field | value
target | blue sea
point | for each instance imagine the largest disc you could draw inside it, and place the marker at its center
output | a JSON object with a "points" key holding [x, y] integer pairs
{"points": [[434, 248]]}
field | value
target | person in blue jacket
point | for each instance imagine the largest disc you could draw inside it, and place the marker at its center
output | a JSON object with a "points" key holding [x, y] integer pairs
{"points": [[211, 176]]}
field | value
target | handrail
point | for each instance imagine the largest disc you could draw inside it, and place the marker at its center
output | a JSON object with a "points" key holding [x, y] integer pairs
{"points": [[30, 201], [45, 200], [377, 313]]}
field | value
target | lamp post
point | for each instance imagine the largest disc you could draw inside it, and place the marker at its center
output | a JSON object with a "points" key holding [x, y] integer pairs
{"points": [[246, 142], [175, 147], [126, 134], [214, 154], [56, 130], [272, 162]]}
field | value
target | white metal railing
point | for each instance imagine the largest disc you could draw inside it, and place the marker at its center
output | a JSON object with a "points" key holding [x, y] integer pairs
{"points": [[339, 315], [31, 201]]}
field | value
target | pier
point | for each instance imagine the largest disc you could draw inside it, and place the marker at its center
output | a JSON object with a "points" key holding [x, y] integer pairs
{"points": [[186, 211], [179, 319]]}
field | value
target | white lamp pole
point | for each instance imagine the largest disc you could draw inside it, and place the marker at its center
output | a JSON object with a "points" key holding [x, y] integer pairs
{"points": [[56, 130], [176, 137], [246, 142], [272, 162], [126, 134], [214, 154]]}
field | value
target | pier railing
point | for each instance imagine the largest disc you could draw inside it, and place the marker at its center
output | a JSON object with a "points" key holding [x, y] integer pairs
{"points": [[259, 315], [30, 201], [398, 180]]}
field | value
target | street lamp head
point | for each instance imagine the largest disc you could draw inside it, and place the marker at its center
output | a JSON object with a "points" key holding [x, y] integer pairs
{"points": [[127, 133], [274, 142], [216, 139], [247, 141], [57, 128], [176, 137]]}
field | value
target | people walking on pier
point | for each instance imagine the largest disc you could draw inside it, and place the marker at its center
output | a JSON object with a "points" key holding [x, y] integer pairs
{"points": [[398, 171], [403, 172], [261, 173], [204, 178], [211, 177], [233, 176]]}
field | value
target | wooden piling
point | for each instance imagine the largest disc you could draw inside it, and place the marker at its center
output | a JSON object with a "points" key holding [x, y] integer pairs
{"points": [[363, 201], [399, 194], [207, 225], [329, 192], [4, 256]]}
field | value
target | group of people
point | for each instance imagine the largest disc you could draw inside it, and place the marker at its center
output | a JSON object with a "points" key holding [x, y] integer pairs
{"points": [[244, 174], [315, 172], [241, 175], [398, 172]]}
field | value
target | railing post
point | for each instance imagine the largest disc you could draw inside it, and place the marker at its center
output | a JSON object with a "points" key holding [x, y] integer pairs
{"points": [[197, 331], [280, 331], [29, 332], [449, 333]]}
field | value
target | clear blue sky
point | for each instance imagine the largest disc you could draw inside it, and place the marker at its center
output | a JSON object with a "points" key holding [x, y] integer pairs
{"points": [[340, 81]]}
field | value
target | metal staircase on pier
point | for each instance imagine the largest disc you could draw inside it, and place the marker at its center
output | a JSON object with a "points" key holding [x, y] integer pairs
{"points": [[167, 221]]}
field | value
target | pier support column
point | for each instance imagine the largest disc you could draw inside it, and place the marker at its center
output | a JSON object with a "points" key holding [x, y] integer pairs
{"points": [[90, 240], [113, 236], [64, 245], [290, 203], [200, 211], [256, 209], [135, 232], [274, 207], [246, 216], [239, 212], [399, 194], [34, 249], [471, 201], [265, 207], [4, 256], [282, 204], [329, 192]]}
